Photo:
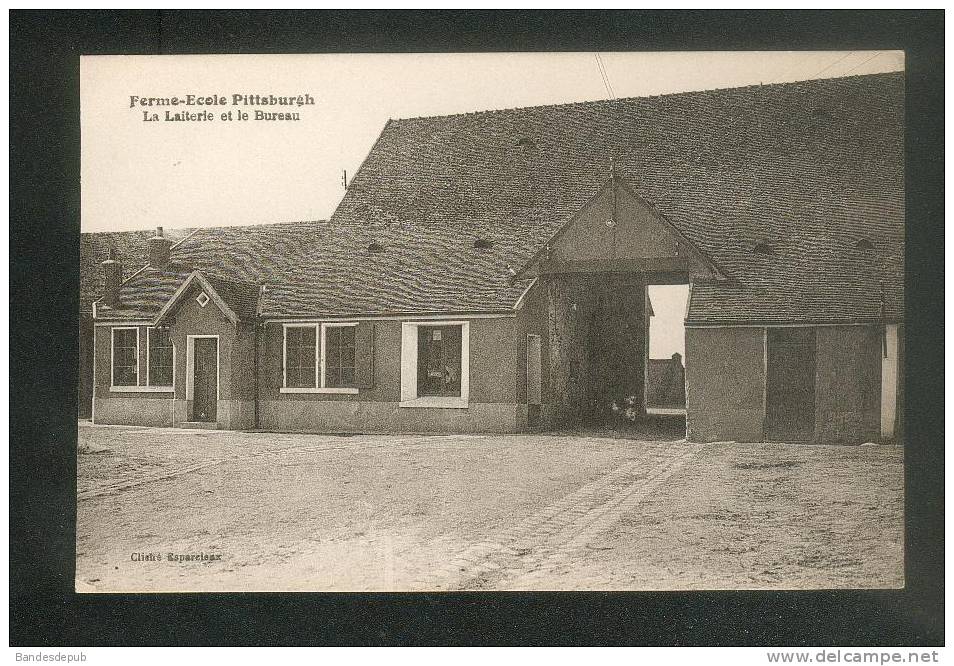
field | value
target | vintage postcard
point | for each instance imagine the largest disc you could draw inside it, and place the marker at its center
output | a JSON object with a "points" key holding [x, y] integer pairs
{"points": [[510, 321]]}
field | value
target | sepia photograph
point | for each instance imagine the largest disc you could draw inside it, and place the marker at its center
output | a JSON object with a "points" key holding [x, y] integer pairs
{"points": [[575, 321], [470, 328], [509, 321]]}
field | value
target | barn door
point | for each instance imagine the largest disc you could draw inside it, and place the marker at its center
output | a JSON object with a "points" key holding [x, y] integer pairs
{"points": [[790, 384]]}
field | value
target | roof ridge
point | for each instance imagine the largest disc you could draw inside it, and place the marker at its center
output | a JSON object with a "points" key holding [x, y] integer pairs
{"points": [[183, 240], [195, 230], [214, 231], [104, 232], [642, 97]]}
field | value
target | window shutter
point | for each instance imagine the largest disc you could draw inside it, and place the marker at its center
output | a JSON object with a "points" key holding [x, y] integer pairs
{"points": [[364, 355]]}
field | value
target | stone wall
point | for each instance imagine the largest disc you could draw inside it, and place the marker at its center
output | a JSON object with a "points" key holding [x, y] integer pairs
{"points": [[566, 339]]}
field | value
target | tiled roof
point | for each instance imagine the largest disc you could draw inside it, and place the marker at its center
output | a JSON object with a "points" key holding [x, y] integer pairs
{"points": [[410, 270], [235, 261], [145, 292], [241, 297], [131, 248], [319, 269], [807, 168], [810, 167]]}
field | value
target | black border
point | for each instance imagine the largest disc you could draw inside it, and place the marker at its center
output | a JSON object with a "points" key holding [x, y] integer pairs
{"points": [[44, 227]]}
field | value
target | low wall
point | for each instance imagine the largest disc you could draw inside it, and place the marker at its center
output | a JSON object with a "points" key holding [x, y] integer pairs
{"points": [[140, 411], [235, 414], [135, 411], [354, 416]]}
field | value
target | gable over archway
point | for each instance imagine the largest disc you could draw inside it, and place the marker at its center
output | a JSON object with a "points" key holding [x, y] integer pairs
{"points": [[618, 231]]}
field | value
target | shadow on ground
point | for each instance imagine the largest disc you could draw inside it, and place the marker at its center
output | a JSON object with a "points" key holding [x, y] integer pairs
{"points": [[655, 428]]}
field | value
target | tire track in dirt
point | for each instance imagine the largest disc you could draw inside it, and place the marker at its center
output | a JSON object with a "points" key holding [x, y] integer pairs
{"points": [[548, 538]]}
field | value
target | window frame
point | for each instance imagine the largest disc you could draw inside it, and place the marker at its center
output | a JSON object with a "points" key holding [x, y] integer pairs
{"points": [[320, 337], [285, 388], [409, 369], [323, 346], [149, 385], [113, 386]]}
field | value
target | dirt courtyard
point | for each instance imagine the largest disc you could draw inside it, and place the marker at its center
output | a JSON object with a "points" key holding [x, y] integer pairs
{"points": [[185, 510]]}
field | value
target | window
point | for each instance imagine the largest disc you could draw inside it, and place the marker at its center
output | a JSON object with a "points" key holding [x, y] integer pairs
{"points": [[202, 299], [328, 358], [125, 356], [339, 358], [161, 355], [435, 364], [300, 356], [438, 360]]}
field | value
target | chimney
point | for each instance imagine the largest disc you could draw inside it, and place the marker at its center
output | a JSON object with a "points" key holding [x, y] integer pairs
{"points": [[113, 278], [159, 247]]}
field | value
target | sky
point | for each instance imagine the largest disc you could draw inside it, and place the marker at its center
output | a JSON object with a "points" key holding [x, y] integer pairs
{"points": [[140, 175], [666, 332]]}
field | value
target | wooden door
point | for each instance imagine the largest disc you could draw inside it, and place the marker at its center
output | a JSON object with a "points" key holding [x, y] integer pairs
{"points": [[790, 384], [205, 379]]}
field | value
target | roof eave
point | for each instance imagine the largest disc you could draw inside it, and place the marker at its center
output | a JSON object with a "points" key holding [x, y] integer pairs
{"points": [[768, 323]]}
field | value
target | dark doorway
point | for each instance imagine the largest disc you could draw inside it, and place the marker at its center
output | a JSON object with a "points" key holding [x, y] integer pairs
{"points": [[790, 384], [614, 347], [205, 379]]}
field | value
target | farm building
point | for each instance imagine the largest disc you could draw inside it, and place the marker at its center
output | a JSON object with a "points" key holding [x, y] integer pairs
{"points": [[489, 271]]}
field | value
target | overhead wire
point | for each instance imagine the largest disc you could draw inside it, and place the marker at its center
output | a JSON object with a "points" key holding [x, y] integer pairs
{"points": [[862, 63], [605, 76], [830, 65]]}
